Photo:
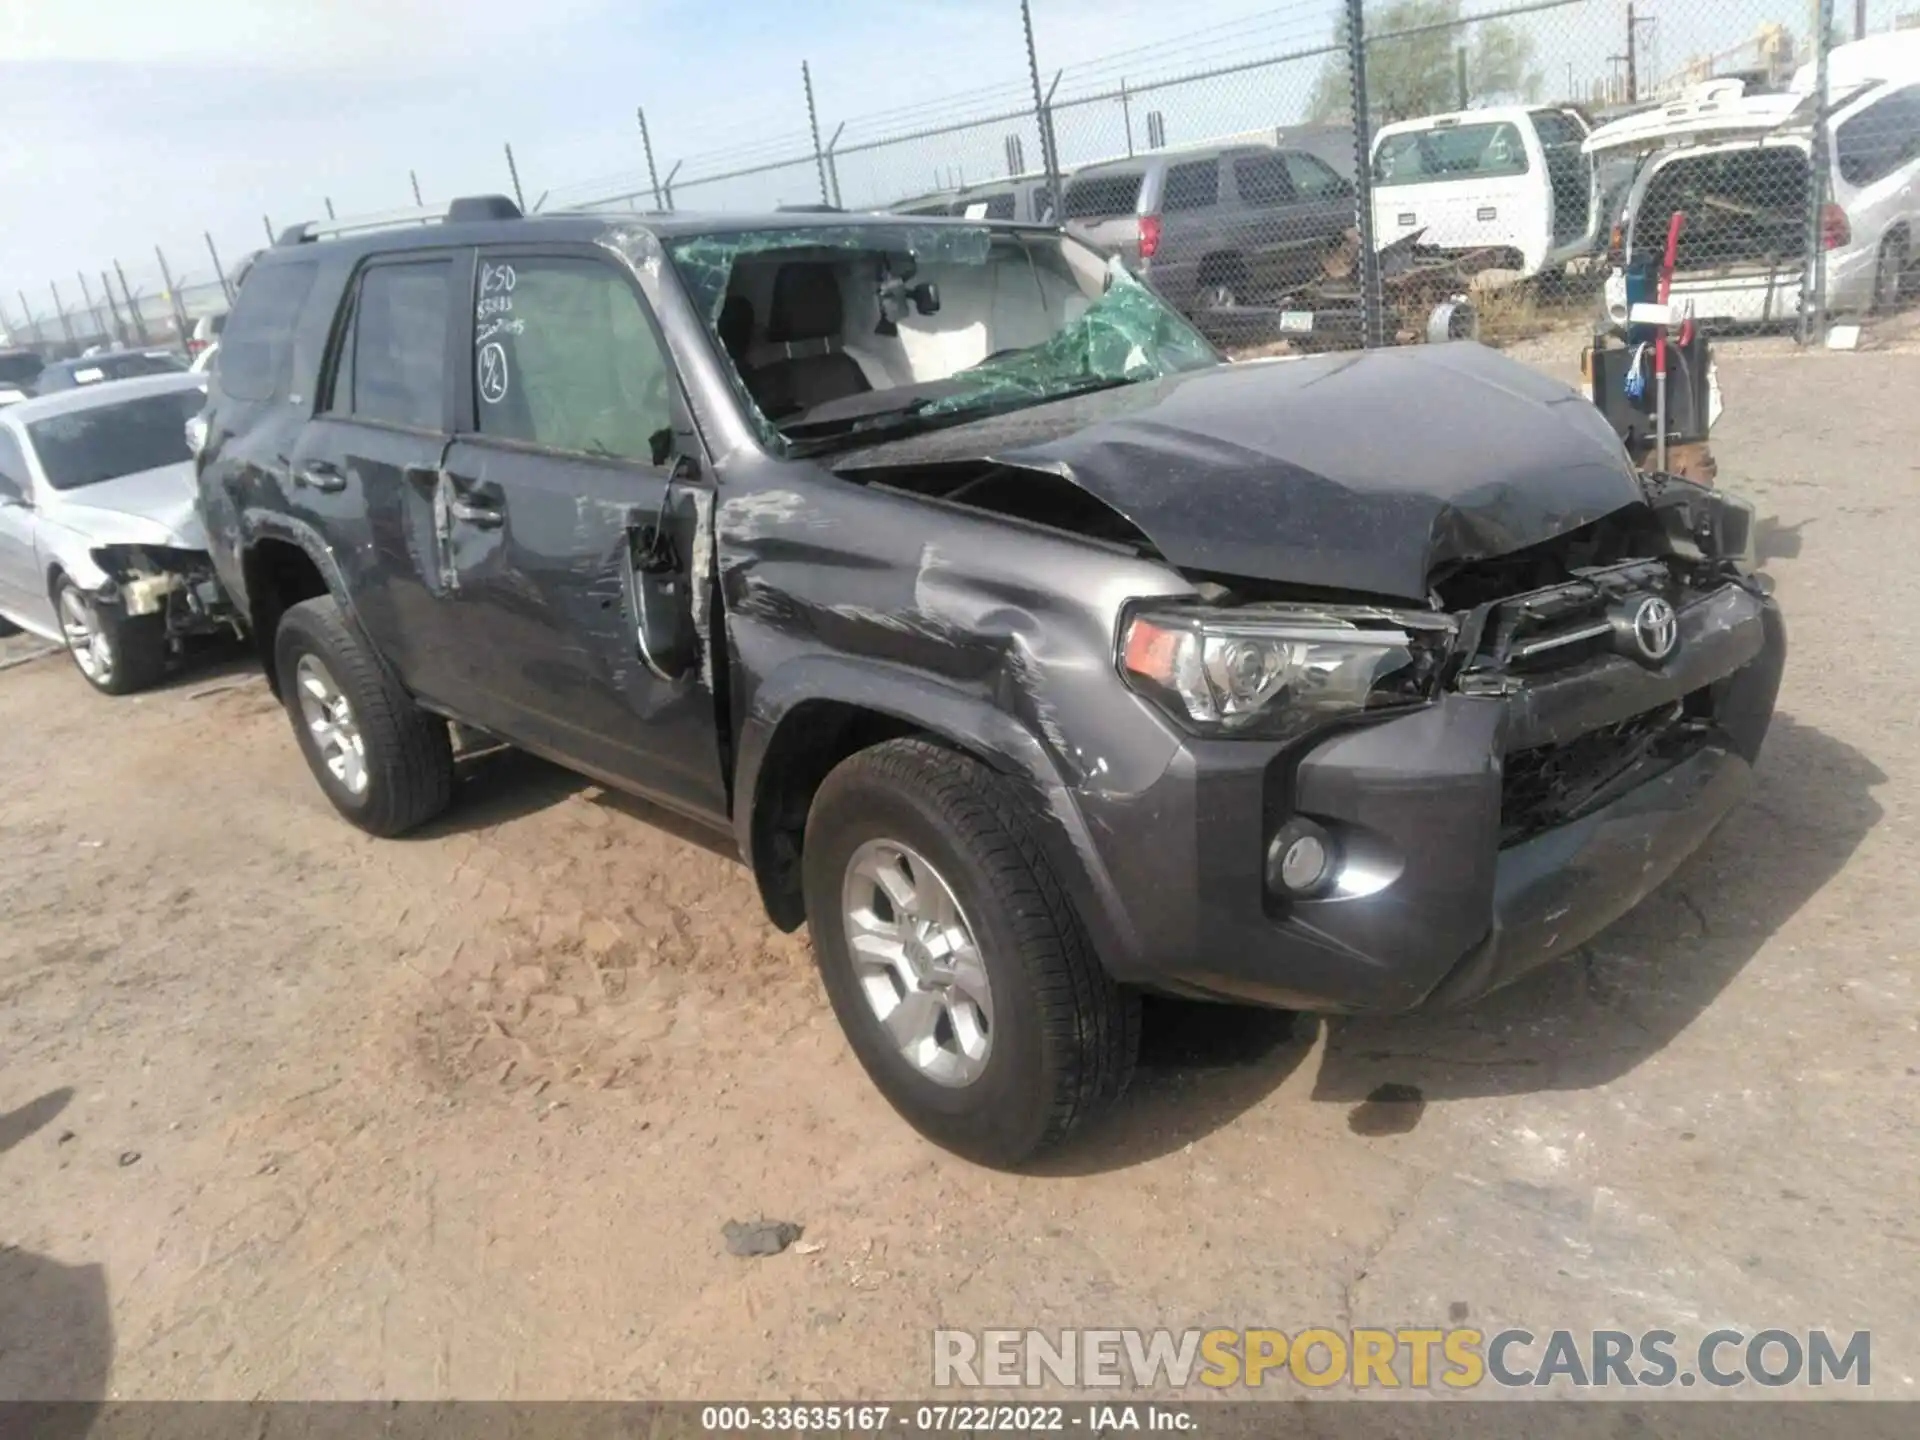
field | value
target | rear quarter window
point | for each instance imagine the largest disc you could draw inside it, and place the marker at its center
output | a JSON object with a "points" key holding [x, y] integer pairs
{"points": [[256, 347], [1880, 139], [1100, 197], [1457, 152]]}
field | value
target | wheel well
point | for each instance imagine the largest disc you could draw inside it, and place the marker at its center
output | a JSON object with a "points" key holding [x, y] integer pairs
{"points": [[279, 575], [813, 738], [1223, 268]]}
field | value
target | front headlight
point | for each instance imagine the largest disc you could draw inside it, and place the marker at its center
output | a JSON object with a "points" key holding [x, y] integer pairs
{"points": [[1277, 675]]}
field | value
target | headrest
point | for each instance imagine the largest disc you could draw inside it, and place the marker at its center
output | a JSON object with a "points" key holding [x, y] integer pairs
{"points": [[806, 303]]}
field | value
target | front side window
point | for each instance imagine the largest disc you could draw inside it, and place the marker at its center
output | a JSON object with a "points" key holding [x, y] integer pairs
{"points": [[1458, 152], [398, 371], [84, 447], [1312, 176], [565, 358]]}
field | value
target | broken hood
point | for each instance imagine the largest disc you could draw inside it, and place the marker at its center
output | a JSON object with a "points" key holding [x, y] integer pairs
{"points": [[149, 507], [1359, 472]]}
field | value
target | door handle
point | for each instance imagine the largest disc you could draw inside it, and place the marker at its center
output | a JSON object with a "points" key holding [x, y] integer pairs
{"points": [[479, 506], [320, 475]]}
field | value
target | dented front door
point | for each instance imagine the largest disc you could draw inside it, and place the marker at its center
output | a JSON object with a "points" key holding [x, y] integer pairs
{"points": [[570, 513]]}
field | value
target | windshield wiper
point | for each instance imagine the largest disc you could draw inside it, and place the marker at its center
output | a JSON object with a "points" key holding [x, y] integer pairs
{"points": [[915, 415]]}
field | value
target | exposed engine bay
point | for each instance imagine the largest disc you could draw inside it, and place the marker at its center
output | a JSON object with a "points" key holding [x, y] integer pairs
{"points": [[179, 585]]}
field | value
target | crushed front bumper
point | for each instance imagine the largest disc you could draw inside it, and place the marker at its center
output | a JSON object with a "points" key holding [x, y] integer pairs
{"points": [[177, 584], [1432, 908]]}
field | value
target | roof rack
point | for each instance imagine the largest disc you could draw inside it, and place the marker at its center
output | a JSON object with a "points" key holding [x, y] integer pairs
{"points": [[466, 208]]}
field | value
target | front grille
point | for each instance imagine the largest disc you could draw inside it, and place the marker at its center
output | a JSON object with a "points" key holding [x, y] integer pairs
{"points": [[1559, 626], [1549, 785]]}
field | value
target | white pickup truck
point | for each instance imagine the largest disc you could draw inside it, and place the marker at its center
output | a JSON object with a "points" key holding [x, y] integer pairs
{"points": [[1509, 178]]}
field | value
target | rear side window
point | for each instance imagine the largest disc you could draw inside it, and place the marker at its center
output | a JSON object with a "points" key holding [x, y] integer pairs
{"points": [[1194, 186], [1457, 152], [1099, 197], [564, 358], [258, 343], [1262, 180], [1880, 139], [1556, 127], [394, 362]]}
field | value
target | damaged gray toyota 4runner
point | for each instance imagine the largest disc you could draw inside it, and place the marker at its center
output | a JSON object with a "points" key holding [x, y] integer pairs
{"points": [[1031, 654]]}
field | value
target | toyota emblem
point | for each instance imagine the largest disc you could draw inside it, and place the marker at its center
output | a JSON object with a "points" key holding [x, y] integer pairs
{"points": [[1656, 629]]}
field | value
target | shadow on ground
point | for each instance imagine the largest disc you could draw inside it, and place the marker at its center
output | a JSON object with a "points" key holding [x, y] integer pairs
{"points": [[497, 783], [56, 1332], [1580, 1022], [1594, 1016]]}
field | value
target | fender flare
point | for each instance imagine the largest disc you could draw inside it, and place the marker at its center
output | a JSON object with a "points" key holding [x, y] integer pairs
{"points": [[962, 718], [258, 525]]}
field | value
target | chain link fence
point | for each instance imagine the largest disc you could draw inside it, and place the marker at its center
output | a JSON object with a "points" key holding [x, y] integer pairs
{"points": [[1339, 173]]}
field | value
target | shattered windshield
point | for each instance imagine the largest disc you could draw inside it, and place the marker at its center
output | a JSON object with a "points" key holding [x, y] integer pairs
{"points": [[838, 331]]}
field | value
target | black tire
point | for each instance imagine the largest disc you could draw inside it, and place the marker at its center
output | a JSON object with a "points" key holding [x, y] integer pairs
{"points": [[407, 755], [1065, 1037], [136, 645], [1890, 273], [7, 628]]}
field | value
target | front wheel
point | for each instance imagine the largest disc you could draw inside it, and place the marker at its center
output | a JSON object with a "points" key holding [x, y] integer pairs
{"points": [[954, 961], [386, 764], [116, 653]]}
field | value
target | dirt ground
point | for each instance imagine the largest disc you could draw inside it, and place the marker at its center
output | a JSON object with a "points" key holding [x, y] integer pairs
{"points": [[289, 1112]]}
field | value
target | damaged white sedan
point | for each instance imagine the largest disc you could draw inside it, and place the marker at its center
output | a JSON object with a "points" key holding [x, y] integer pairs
{"points": [[101, 548]]}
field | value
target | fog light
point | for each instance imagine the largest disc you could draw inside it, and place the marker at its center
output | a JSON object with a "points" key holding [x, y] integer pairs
{"points": [[1301, 858]]}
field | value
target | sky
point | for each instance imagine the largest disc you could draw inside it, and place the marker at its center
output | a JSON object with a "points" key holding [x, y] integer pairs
{"points": [[136, 123]]}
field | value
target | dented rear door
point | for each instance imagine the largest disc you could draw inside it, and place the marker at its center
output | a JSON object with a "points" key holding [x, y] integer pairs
{"points": [[573, 513]]}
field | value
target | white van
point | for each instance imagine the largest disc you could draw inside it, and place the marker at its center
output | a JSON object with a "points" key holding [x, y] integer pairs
{"points": [[1510, 178], [1737, 166]]}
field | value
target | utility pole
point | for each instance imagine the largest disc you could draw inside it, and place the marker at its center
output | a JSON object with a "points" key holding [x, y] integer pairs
{"points": [[1460, 73], [1859, 19], [27, 310], [414, 176], [268, 223], [1633, 35]]}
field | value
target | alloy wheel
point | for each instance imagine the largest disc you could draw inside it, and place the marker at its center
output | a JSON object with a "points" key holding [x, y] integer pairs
{"points": [[329, 718], [917, 962], [86, 637]]}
